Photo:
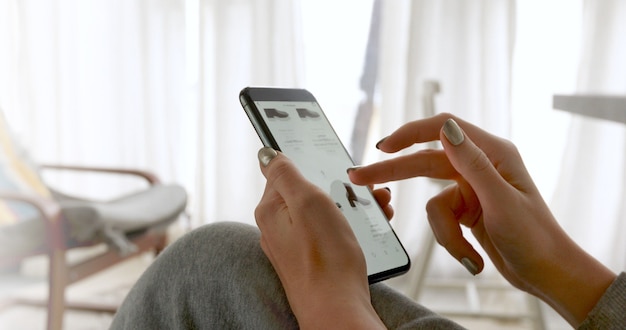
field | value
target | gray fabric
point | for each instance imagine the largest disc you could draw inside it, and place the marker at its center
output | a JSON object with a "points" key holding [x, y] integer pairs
{"points": [[112, 220], [139, 210], [217, 277], [94, 221], [84, 224], [610, 311]]}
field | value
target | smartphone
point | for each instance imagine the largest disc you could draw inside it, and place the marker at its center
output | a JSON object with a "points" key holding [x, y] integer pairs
{"points": [[291, 121]]}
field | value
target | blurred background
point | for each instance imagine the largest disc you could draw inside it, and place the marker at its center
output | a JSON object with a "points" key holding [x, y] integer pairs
{"points": [[154, 84]]}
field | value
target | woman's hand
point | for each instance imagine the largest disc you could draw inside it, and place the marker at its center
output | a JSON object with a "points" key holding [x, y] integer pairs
{"points": [[313, 249], [494, 196]]}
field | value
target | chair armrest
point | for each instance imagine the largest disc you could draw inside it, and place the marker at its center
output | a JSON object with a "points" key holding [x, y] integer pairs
{"points": [[48, 208], [148, 176]]}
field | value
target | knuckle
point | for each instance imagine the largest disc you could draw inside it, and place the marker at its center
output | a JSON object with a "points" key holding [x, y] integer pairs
{"points": [[441, 239], [478, 160], [446, 116], [432, 206], [279, 170], [260, 213], [510, 147], [311, 198], [436, 203], [432, 216]]}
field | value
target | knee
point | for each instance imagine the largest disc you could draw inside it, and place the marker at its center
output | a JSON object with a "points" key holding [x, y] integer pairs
{"points": [[222, 235], [215, 244]]}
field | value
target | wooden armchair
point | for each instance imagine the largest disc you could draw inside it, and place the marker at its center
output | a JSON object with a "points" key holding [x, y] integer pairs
{"points": [[36, 220]]}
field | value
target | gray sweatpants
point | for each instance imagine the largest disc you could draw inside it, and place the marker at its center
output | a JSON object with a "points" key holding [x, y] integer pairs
{"points": [[217, 277]]}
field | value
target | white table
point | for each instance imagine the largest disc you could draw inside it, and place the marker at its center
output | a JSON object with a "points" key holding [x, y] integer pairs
{"points": [[609, 107]]}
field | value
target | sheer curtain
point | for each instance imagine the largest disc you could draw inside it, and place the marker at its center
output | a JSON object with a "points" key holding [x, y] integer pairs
{"points": [[154, 84], [494, 71], [96, 83], [467, 47], [9, 55], [241, 43], [148, 84], [590, 195]]}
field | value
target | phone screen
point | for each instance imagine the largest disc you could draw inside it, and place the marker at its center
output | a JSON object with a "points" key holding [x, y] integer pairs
{"points": [[302, 132]]}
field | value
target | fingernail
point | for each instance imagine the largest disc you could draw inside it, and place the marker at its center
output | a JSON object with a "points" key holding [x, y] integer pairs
{"points": [[353, 168], [266, 155], [381, 141], [387, 188], [453, 132], [470, 265]]}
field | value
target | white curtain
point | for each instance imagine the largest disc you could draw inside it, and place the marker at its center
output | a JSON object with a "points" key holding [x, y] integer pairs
{"points": [[97, 83], [154, 84], [8, 55], [590, 196], [470, 48], [467, 47], [241, 43], [149, 84]]}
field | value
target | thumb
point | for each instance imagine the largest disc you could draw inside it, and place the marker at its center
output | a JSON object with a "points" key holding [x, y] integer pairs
{"points": [[472, 163], [282, 174]]}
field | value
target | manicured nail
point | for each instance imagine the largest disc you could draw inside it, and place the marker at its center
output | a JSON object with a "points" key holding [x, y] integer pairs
{"points": [[353, 168], [453, 132], [470, 265], [266, 155], [381, 141]]}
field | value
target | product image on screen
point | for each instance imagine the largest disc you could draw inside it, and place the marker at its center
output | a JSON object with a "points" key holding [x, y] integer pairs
{"points": [[304, 134]]}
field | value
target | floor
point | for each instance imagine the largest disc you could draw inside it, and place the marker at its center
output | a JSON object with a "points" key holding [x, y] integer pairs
{"points": [[112, 285], [107, 287]]}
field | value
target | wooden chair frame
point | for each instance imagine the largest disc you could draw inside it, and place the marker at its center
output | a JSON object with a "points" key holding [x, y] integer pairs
{"points": [[61, 273]]}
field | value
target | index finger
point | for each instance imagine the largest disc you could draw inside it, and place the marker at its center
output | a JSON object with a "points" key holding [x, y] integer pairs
{"points": [[426, 163], [426, 130]]}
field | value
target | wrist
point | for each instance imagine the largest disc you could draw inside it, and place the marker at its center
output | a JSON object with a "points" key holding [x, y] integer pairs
{"points": [[344, 317], [571, 281], [338, 310]]}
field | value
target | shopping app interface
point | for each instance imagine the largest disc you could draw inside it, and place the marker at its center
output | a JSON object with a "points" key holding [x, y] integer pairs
{"points": [[306, 137]]}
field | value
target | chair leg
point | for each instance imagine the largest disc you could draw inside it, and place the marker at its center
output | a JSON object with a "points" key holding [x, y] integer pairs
{"points": [[57, 282], [420, 266]]}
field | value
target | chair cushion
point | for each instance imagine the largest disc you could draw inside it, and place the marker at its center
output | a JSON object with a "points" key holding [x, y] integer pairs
{"points": [[109, 221], [22, 229], [112, 220]]}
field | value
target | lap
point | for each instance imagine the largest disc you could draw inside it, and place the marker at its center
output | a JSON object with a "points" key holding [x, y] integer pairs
{"points": [[217, 276]]}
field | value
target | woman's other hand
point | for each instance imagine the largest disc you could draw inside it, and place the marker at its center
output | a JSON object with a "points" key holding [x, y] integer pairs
{"points": [[494, 195]]}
